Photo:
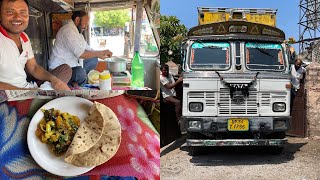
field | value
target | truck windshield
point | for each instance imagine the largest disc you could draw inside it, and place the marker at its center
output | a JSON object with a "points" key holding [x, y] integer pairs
{"points": [[264, 56], [210, 55]]}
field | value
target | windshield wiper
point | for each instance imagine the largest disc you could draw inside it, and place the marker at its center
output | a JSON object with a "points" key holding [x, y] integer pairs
{"points": [[205, 45], [262, 50]]}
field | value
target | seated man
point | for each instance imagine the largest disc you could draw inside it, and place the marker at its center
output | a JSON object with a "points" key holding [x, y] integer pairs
{"points": [[16, 53], [70, 45], [167, 88]]}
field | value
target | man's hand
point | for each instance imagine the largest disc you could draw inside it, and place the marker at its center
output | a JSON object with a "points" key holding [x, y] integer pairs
{"points": [[180, 79], [57, 84], [104, 54], [107, 53]]}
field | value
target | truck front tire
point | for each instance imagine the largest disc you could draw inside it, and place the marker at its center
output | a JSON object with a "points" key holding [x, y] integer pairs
{"points": [[194, 150]]}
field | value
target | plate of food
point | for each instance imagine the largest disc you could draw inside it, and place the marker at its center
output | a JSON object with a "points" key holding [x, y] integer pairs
{"points": [[69, 136]]}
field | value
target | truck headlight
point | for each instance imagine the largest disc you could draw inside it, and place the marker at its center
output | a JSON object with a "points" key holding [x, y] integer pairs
{"points": [[195, 107], [279, 107]]}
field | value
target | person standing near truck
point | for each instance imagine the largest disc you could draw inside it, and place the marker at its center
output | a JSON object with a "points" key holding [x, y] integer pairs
{"points": [[298, 74], [16, 54], [167, 88]]}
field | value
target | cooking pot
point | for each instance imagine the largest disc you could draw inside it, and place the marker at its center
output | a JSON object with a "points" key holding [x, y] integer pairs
{"points": [[116, 65]]}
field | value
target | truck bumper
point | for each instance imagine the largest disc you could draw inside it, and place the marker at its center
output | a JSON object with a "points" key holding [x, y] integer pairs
{"points": [[220, 124], [237, 142]]}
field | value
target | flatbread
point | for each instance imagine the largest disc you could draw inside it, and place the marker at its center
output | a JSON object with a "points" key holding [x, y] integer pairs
{"points": [[105, 147], [89, 132]]}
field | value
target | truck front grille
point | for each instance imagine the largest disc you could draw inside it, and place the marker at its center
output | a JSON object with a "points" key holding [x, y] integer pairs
{"points": [[209, 97], [226, 106], [265, 97]]}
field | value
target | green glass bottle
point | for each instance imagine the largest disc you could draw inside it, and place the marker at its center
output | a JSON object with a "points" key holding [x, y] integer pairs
{"points": [[137, 71]]}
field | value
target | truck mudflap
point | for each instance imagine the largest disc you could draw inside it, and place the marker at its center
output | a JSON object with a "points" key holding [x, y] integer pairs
{"points": [[237, 142]]}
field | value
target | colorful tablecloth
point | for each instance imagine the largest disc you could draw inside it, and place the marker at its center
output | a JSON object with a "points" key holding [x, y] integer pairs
{"points": [[138, 155]]}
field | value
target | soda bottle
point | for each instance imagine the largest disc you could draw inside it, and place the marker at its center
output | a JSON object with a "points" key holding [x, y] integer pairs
{"points": [[137, 71]]}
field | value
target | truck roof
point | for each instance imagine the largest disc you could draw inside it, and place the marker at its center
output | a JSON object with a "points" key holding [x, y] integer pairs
{"points": [[236, 30], [207, 15]]}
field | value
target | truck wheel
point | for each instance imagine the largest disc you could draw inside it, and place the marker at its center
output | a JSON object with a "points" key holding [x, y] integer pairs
{"points": [[274, 150], [194, 150]]}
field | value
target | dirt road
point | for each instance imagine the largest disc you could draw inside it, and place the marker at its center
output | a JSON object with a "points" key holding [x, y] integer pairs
{"points": [[300, 160]]}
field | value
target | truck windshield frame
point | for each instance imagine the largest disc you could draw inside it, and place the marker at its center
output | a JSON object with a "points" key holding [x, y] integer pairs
{"points": [[258, 55], [202, 58]]}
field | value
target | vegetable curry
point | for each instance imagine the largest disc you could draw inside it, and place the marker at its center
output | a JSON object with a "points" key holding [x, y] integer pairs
{"points": [[57, 129]]}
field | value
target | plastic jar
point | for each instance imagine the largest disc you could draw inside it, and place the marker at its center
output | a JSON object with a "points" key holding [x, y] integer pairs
{"points": [[105, 80], [93, 77]]}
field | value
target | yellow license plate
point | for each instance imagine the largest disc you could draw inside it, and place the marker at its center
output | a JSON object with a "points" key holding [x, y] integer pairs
{"points": [[238, 124]]}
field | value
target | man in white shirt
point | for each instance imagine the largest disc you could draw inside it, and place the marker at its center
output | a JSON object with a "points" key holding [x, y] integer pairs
{"points": [[167, 88], [298, 74], [16, 53], [70, 46]]}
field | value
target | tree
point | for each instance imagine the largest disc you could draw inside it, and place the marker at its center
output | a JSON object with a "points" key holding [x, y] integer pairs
{"points": [[291, 40], [112, 19], [172, 34]]}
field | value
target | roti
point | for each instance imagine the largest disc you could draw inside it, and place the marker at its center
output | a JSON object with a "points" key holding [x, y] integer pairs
{"points": [[97, 139]]}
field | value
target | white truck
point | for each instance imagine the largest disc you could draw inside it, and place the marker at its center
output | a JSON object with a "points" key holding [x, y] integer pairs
{"points": [[236, 80]]}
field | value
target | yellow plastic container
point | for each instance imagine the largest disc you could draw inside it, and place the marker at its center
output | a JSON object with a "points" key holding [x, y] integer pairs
{"points": [[105, 80]]}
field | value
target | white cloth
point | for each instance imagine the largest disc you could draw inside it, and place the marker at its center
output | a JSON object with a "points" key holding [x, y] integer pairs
{"points": [[68, 46], [12, 63], [46, 86], [296, 76], [167, 80]]}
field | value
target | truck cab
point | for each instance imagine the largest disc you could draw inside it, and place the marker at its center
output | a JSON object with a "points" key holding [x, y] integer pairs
{"points": [[236, 80]]}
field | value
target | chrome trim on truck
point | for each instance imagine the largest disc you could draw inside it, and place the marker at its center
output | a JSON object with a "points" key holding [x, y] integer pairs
{"points": [[219, 124], [237, 142]]}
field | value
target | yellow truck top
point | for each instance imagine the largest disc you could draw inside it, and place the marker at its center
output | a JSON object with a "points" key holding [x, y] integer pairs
{"points": [[208, 15]]}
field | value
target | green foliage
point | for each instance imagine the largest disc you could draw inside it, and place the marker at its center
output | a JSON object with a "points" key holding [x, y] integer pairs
{"points": [[172, 34], [112, 19], [290, 41]]}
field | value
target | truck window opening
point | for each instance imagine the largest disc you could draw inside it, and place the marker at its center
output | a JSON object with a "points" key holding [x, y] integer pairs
{"points": [[264, 56], [201, 55]]}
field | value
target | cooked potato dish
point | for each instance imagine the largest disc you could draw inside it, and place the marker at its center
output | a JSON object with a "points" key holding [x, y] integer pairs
{"points": [[57, 129]]}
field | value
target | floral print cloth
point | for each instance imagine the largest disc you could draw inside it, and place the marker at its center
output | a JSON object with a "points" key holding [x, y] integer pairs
{"points": [[138, 155]]}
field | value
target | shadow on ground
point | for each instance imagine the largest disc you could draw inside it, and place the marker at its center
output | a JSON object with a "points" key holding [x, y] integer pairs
{"points": [[224, 156], [175, 145]]}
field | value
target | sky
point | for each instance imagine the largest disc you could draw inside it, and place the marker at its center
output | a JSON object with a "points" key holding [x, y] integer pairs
{"points": [[186, 11]]}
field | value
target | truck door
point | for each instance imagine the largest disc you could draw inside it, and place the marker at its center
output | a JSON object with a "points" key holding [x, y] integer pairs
{"points": [[298, 113]]}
